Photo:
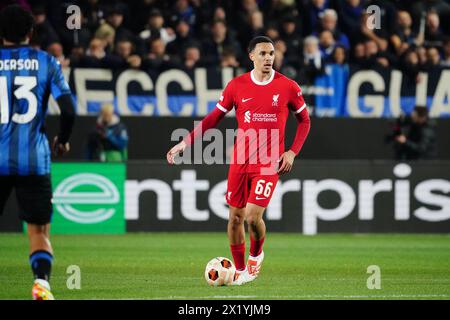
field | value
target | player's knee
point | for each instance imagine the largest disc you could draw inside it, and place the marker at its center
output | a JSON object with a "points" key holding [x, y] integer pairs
{"points": [[252, 220], [236, 219]]}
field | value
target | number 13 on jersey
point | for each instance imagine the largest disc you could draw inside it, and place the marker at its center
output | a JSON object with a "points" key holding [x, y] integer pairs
{"points": [[25, 85]]}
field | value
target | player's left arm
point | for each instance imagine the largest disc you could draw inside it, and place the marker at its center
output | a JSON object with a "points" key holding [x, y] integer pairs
{"points": [[60, 91], [298, 106]]}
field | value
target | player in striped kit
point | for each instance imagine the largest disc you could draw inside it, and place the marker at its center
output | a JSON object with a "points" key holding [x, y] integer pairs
{"points": [[27, 78]]}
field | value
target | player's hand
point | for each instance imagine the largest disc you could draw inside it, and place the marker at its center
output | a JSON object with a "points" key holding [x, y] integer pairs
{"points": [[286, 160], [58, 148], [177, 149]]}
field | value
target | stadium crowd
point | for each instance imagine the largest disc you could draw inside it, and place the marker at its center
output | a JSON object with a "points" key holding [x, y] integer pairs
{"points": [[157, 35]]}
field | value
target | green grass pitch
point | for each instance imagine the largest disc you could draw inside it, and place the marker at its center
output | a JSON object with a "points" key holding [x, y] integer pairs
{"points": [[171, 266]]}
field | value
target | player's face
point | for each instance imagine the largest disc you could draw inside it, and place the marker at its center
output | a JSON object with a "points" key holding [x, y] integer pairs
{"points": [[263, 56]]}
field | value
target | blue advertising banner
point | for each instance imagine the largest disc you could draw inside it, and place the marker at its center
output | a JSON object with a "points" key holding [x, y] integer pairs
{"points": [[343, 91]]}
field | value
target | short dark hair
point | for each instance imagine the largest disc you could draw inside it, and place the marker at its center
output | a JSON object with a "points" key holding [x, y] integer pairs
{"points": [[15, 23], [422, 111], [260, 39]]}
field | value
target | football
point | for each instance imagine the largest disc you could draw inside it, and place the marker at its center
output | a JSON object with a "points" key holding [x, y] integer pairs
{"points": [[220, 272]]}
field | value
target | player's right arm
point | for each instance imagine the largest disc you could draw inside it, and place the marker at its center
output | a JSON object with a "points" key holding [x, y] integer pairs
{"points": [[298, 106], [224, 105], [61, 92]]}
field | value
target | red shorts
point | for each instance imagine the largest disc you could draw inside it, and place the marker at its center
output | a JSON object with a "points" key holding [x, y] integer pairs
{"points": [[250, 187]]}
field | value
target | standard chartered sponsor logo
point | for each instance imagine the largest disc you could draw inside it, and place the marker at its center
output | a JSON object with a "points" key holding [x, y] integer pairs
{"points": [[265, 117], [259, 117], [65, 197], [247, 116]]}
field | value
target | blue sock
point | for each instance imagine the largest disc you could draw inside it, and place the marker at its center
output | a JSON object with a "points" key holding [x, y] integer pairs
{"points": [[41, 264]]}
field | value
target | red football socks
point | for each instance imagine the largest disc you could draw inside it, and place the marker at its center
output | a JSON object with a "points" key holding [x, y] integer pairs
{"points": [[238, 252], [256, 246]]}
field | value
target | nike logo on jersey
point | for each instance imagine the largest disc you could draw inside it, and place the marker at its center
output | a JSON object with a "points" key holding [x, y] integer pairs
{"points": [[245, 100], [260, 198]]}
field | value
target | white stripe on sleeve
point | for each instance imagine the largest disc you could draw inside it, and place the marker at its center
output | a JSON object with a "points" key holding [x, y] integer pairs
{"points": [[301, 108], [221, 108]]}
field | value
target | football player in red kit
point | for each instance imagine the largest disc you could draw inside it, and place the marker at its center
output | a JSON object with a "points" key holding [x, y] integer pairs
{"points": [[262, 99]]}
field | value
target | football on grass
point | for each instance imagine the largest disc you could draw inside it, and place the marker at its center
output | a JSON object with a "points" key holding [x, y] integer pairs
{"points": [[220, 272]]}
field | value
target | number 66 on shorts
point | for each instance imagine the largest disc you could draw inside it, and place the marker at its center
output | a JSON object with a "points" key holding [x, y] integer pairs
{"points": [[250, 187]]}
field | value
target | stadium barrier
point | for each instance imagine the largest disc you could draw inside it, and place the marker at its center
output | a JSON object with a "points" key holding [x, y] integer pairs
{"points": [[356, 138], [316, 197], [341, 91]]}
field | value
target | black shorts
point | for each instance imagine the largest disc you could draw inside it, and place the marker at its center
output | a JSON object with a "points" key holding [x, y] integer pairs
{"points": [[34, 197]]}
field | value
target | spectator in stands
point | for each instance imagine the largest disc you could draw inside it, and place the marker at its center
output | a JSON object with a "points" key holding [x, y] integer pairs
{"points": [[339, 55], [155, 28], [242, 17], [312, 64], [358, 54], [44, 34], [387, 19], [328, 22], [287, 20], [96, 49], [374, 35], [76, 55], [158, 59], [254, 27], [404, 36], [446, 56], [280, 52], [228, 59], [183, 10], [441, 7], [219, 14], [422, 55], [275, 10], [93, 12], [272, 32], [374, 56], [217, 42], [107, 34], [114, 19], [350, 12], [414, 136], [410, 66], [433, 33], [125, 51], [109, 141], [56, 50], [292, 38], [311, 15], [433, 58], [256, 22], [327, 44], [192, 57], [183, 38], [97, 57]]}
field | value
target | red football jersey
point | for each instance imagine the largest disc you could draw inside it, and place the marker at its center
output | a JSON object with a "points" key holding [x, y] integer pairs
{"points": [[261, 112]]}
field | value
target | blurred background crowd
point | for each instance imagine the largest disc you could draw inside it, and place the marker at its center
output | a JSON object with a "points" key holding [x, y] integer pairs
{"points": [[158, 35]]}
